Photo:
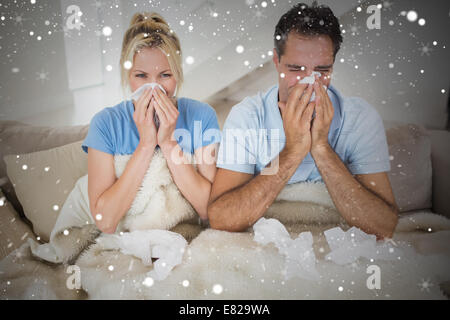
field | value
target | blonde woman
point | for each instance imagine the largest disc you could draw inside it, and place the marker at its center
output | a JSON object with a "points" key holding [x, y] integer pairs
{"points": [[154, 54]]}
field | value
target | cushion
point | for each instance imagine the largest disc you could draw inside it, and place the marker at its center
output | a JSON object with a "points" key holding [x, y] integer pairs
{"points": [[13, 231], [19, 138], [440, 157], [411, 171], [43, 181]]}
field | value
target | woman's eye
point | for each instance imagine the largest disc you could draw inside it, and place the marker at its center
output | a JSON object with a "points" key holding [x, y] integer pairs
{"points": [[140, 75], [166, 75]]}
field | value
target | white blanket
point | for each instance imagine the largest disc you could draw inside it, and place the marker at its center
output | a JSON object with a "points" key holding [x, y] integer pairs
{"points": [[158, 205], [225, 265]]}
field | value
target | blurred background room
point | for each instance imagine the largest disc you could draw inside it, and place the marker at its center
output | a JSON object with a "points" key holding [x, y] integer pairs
{"points": [[57, 70]]}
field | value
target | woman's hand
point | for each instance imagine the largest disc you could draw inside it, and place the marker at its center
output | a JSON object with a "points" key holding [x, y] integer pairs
{"points": [[168, 116], [143, 117]]}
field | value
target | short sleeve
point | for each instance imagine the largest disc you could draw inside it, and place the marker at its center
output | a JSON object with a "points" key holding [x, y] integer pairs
{"points": [[99, 136], [367, 140], [210, 129], [237, 151]]}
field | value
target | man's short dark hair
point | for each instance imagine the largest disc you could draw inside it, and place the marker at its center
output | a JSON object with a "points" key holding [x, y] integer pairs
{"points": [[309, 21]]}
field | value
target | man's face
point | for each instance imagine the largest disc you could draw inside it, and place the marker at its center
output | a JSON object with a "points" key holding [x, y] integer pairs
{"points": [[302, 56]]}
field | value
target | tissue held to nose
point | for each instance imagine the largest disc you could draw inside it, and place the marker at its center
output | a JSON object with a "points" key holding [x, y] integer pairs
{"points": [[310, 80], [138, 93]]}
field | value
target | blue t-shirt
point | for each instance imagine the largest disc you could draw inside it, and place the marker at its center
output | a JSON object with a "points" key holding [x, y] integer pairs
{"points": [[113, 130], [253, 135]]}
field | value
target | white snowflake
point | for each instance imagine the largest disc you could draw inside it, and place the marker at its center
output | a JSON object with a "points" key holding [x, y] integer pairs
{"points": [[42, 76], [217, 289], [425, 49], [259, 15], [18, 20], [354, 29], [425, 285], [387, 5], [98, 4]]}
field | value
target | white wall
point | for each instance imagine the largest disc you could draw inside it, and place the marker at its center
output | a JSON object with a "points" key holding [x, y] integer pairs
{"points": [[401, 93], [23, 58]]}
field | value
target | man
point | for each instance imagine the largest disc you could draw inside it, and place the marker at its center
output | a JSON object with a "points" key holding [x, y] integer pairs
{"points": [[339, 141]]}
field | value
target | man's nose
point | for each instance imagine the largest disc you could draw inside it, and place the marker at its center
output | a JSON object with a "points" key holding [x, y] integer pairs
{"points": [[304, 74], [308, 72]]}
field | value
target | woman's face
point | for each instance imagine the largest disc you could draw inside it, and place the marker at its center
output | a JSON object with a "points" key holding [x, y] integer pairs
{"points": [[151, 65]]}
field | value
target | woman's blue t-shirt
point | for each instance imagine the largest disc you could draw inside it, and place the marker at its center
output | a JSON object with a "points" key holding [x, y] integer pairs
{"points": [[114, 131]]}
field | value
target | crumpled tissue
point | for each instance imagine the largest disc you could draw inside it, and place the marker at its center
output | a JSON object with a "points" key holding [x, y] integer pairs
{"points": [[310, 80], [165, 245], [138, 93], [347, 247], [299, 254]]}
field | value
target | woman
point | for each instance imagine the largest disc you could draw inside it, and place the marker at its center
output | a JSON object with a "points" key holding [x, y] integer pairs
{"points": [[151, 53]]}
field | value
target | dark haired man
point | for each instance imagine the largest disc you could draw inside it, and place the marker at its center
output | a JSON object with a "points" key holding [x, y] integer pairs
{"points": [[340, 141]]}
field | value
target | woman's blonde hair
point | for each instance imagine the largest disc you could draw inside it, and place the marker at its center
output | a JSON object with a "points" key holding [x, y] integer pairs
{"points": [[150, 30]]}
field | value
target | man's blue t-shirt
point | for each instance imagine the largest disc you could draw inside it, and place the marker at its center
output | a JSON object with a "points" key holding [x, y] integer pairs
{"points": [[113, 130], [253, 135]]}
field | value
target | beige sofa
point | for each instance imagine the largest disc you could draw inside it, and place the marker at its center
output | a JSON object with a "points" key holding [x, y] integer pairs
{"points": [[40, 165]]}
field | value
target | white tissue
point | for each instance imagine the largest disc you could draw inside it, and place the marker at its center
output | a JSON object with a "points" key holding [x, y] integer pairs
{"points": [[310, 80], [299, 254], [168, 247], [347, 247], [138, 93], [271, 230]]}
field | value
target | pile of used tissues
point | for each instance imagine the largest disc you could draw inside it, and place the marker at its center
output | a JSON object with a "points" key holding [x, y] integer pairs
{"points": [[346, 247], [299, 254]]}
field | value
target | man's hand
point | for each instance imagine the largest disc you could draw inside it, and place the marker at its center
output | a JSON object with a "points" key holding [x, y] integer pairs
{"points": [[322, 122], [297, 114]]}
